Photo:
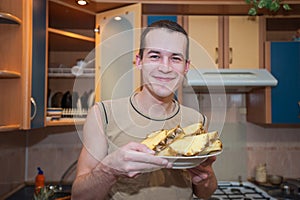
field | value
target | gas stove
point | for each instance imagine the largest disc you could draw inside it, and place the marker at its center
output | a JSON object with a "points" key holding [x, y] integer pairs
{"points": [[238, 190]]}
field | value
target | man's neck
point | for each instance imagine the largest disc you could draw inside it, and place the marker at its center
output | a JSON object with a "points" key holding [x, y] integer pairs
{"points": [[152, 105]]}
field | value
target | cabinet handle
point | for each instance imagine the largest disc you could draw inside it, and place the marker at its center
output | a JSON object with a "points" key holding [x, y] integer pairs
{"points": [[35, 107], [217, 55], [230, 55]]}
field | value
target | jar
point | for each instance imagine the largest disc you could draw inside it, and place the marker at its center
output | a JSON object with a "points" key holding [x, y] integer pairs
{"points": [[261, 173]]}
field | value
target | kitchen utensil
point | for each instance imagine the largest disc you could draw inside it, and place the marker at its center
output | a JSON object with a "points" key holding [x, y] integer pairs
{"points": [[275, 179]]}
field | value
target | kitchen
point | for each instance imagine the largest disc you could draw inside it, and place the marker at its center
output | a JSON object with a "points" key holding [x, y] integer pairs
{"points": [[246, 145]]}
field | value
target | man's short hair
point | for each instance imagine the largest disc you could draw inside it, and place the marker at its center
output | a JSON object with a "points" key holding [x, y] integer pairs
{"points": [[168, 25]]}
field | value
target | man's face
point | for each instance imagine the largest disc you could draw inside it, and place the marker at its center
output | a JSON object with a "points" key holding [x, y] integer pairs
{"points": [[164, 61]]}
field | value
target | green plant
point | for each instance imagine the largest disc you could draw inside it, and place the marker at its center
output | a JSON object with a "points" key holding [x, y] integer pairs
{"points": [[271, 5], [43, 193]]}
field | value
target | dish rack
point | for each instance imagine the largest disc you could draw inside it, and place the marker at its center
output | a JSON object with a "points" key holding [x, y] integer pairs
{"points": [[74, 113], [67, 113], [66, 72]]}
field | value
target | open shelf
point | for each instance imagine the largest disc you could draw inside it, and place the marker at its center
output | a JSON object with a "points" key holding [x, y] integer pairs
{"points": [[66, 121], [61, 40], [7, 18], [67, 73], [9, 74], [9, 127]]}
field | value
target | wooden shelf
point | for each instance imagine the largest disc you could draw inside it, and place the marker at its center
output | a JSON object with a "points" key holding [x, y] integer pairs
{"points": [[66, 121], [70, 76], [6, 18], [71, 35], [9, 127], [9, 74], [67, 41]]}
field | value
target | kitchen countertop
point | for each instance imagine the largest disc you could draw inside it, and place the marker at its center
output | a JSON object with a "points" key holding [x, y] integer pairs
{"points": [[25, 192]]}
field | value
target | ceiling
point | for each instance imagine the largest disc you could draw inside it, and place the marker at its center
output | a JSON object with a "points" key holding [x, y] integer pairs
{"points": [[177, 7], [92, 6]]}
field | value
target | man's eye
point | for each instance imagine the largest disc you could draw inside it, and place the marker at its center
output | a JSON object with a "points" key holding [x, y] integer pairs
{"points": [[154, 57], [177, 59]]}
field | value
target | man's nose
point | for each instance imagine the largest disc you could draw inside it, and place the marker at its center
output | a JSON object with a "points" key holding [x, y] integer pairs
{"points": [[165, 65]]}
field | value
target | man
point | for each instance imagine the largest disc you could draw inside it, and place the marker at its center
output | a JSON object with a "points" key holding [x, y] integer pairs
{"points": [[113, 164]]}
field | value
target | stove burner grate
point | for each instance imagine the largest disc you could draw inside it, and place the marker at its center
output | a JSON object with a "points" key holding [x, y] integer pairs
{"points": [[236, 190]]}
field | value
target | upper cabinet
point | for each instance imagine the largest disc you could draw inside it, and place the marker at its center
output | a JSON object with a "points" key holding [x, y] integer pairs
{"points": [[117, 46], [15, 64], [281, 28], [205, 42], [230, 41], [280, 104], [71, 71]]}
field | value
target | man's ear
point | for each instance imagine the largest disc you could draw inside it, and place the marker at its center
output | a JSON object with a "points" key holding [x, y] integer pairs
{"points": [[187, 66], [138, 62]]}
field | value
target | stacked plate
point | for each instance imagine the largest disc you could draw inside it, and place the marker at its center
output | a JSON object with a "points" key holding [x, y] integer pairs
{"points": [[54, 113]]}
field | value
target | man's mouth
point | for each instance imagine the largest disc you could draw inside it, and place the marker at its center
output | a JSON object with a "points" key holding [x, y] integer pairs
{"points": [[163, 79]]}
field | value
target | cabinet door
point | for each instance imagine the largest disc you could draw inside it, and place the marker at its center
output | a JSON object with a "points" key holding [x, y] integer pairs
{"points": [[243, 41], [205, 51], [38, 63], [285, 66], [117, 45], [15, 64], [230, 41]]}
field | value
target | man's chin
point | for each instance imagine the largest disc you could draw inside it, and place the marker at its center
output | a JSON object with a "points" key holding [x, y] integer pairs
{"points": [[164, 93]]}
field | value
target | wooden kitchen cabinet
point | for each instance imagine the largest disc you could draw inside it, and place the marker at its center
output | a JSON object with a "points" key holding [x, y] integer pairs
{"points": [[70, 38], [15, 64], [279, 105], [22, 64], [230, 41], [117, 47]]}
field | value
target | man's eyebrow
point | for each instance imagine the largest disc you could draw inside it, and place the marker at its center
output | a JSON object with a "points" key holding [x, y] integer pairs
{"points": [[158, 52], [178, 54], [153, 51]]}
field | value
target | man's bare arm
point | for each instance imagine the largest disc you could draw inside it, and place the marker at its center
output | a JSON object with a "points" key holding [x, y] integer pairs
{"points": [[94, 184]]}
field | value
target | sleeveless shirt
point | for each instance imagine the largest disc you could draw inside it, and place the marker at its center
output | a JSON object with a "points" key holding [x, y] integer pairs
{"points": [[124, 123]]}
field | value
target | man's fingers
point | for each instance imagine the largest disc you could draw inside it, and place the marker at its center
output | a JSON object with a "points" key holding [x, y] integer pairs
{"points": [[209, 161], [140, 147]]}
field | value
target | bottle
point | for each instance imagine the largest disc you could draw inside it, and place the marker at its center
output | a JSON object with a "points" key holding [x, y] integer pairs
{"points": [[39, 180]]}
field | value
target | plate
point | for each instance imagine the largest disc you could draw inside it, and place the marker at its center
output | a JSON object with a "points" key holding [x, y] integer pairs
{"points": [[188, 161]]}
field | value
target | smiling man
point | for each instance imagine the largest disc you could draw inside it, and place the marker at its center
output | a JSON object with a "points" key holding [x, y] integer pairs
{"points": [[113, 163]]}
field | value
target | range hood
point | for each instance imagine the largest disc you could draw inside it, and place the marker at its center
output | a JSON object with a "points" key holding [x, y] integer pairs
{"points": [[229, 80]]}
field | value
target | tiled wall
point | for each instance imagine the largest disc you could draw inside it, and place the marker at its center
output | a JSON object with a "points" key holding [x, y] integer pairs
{"points": [[12, 160], [246, 145], [54, 150], [278, 148]]}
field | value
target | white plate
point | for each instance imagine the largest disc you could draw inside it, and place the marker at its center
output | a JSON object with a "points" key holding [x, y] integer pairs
{"points": [[189, 161]]}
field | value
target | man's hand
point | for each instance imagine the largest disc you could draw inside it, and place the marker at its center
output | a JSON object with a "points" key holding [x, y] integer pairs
{"points": [[203, 171], [133, 159], [203, 178]]}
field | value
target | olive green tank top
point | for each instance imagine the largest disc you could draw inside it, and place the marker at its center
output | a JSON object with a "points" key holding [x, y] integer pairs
{"points": [[124, 123]]}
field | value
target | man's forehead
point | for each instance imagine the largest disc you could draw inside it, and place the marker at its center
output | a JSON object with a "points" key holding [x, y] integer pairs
{"points": [[166, 40]]}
